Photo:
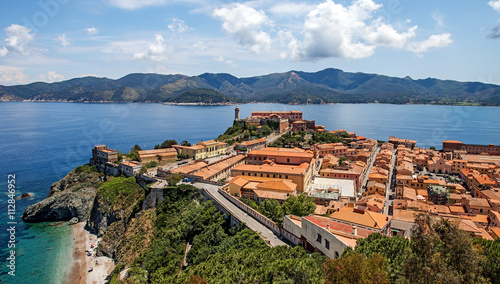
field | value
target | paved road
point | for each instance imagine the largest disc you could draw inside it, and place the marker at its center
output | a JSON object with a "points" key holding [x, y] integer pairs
{"points": [[388, 186], [250, 222], [371, 160]]}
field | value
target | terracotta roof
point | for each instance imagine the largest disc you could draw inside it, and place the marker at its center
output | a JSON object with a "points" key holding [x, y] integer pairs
{"points": [[456, 209], [252, 142], [409, 193], [130, 164], [452, 141], [405, 215], [496, 213], [338, 228], [189, 168], [480, 202], [495, 231], [372, 183], [485, 235], [270, 194], [259, 179], [273, 169], [365, 218], [282, 185], [251, 185], [239, 181]]}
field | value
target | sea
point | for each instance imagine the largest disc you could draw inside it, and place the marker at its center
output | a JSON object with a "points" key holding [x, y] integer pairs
{"points": [[41, 142]]}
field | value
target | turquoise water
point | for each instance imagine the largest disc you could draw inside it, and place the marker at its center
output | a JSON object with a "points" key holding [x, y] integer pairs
{"points": [[41, 142]]}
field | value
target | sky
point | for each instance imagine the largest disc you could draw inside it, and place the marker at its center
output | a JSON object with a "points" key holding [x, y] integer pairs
{"points": [[55, 40]]}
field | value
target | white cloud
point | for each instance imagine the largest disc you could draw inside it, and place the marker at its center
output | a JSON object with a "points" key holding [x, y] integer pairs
{"points": [[18, 38], [64, 40], [291, 9], [434, 41], [227, 61], [495, 5], [179, 26], [92, 31], [334, 30], [439, 18], [245, 24], [156, 51], [3, 51], [136, 4], [200, 45], [11, 75], [51, 77]]}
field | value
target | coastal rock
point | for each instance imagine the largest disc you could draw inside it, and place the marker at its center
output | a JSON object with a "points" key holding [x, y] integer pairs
{"points": [[118, 199], [73, 196], [25, 195], [73, 221]]}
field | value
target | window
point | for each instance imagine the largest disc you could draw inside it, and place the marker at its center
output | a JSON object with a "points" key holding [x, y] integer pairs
{"points": [[336, 254], [318, 239], [327, 244]]}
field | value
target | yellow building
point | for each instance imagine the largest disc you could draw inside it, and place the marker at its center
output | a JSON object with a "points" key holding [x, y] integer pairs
{"points": [[203, 150], [161, 156], [300, 175]]}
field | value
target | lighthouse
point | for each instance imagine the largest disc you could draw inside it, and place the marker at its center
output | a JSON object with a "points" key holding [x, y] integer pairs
{"points": [[237, 113]]}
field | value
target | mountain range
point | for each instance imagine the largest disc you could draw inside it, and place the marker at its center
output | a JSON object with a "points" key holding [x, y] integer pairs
{"points": [[293, 87]]}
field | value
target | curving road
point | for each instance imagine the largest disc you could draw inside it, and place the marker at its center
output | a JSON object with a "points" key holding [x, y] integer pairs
{"points": [[249, 221]]}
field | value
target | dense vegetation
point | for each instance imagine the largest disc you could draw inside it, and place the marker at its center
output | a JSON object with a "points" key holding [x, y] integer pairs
{"points": [[437, 253], [120, 191], [249, 131], [301, 205], [219, 254], [293, 87], [153, 248], [290, 140], [206, 96]]}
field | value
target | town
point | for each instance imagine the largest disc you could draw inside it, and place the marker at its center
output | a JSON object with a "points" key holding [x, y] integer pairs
{"points": [[359, 185]]}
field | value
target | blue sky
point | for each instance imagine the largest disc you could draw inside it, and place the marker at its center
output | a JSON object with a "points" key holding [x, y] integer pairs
{"points": [[54, 40]]}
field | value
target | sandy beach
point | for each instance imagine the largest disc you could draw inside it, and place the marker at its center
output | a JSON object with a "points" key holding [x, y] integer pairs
{"points": [[82, 263]]}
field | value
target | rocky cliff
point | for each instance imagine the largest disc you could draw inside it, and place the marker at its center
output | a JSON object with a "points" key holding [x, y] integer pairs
{"points": [[117, 200], [73, 196]]}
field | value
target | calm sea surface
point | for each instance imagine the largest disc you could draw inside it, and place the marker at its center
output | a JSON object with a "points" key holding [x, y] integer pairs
{"points": [[41, 142]]}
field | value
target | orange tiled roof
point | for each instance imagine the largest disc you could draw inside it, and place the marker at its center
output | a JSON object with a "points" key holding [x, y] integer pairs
{"points": [[365, 218], [281, 185], [239, 181], [274, 169]]}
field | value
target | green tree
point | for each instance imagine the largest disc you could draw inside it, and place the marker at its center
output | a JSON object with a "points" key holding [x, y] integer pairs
{"points": [[441, 253], [119, 155], [133, 154], [174, 179], [159, 158], [432, 148], [181, 156], [272, 210], [301, 205], [394, 249], [168, 144], [355, 268], [491, 258], [185, 143], [143, 170]]}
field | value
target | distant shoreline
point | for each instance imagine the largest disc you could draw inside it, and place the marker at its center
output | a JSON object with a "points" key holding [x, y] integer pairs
{"points": [[234, 104]]}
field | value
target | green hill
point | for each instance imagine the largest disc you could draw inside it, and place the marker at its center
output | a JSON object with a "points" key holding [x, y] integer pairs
{"points": [[293, 87]]}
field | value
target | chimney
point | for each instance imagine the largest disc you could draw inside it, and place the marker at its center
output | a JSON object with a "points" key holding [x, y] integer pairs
{"points": [[354, 230], [328, 226]]}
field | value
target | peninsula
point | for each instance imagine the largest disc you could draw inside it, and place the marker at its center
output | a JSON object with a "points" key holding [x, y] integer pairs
{"points": [[279, 198]]}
